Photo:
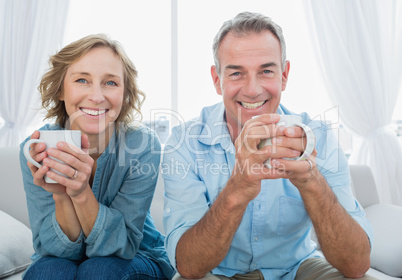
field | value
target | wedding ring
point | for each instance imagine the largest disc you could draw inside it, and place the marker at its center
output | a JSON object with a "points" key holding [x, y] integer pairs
{"points": [[76, 173], [311, 164]]}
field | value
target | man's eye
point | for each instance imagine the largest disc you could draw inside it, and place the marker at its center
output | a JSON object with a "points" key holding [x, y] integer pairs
{"points": [[267, 71], [111, 83], [235, 74], [81, 81]]}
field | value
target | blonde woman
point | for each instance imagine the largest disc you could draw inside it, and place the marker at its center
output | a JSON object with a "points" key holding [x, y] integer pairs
{"points": [[94, 223]]}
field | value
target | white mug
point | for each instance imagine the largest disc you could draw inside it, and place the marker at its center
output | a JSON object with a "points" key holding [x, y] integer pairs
{"points": [[51, 138], [289, 121]]}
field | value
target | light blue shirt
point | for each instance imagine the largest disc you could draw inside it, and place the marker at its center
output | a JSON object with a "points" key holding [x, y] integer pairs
{"points": [[124, 185], [274, 235]]}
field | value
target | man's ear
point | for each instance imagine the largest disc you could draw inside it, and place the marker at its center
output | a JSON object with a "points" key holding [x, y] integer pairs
{"points": [[216, 80], [285, 75]]}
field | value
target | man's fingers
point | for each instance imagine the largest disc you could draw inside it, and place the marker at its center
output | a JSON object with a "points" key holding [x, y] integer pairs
{"points": [[278, 152], [298, 144], [293, 131], [266, 119]]}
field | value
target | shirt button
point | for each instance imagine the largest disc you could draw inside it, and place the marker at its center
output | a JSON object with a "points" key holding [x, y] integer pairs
{"points": [[79, 242], [167, 210], [255, 238]]}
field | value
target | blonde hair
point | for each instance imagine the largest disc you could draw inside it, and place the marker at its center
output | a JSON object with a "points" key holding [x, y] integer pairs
{"points": [[51, 85]]}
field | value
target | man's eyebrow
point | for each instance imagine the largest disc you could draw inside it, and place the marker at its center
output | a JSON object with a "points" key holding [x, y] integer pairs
{"points": [[269, 64], [234, 67], [237, 67]]}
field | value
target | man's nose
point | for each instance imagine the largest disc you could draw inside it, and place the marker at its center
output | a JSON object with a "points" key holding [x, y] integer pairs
{"points": [[253, 87], [96, 94]]}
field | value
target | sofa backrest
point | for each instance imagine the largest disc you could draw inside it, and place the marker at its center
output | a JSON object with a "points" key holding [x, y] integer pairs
{"points": [[13, 200], [157, 204], [363, 184]]}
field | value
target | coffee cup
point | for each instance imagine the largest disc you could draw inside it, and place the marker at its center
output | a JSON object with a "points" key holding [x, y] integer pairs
{"points": [[290, 121], [51, 138]]}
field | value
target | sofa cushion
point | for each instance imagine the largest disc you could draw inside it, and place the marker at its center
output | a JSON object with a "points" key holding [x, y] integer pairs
{"points": [[386, 253], [15, 245]]}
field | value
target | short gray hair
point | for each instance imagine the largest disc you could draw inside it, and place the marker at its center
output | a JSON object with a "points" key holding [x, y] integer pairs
{"points": [[244, 24]]}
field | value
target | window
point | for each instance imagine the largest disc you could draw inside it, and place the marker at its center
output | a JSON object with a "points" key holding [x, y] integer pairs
{"points": [[143, 28], [199, 21], [179, 90]]}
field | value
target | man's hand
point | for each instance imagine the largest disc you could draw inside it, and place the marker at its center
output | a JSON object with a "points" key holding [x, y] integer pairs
{"points": [[289, 142]]}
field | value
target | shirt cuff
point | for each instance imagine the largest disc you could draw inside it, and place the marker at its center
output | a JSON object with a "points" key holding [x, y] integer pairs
{"points": [[97, 228], [69, 245]]}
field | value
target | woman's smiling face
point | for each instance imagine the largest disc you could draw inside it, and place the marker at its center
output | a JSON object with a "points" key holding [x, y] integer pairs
{"points": [[93, 91]]}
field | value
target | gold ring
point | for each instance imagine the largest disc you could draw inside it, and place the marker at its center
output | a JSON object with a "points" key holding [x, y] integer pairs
{"points": [[75, 175]]}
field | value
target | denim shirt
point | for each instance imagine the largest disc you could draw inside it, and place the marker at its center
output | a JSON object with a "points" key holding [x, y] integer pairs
{"points": [[274, 234], [124, 185]]}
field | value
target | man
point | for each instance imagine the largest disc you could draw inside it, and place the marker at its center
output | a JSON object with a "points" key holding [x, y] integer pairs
{"points": [[229, 215]]}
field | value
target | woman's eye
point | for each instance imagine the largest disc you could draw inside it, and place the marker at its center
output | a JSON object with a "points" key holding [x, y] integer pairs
{"points": [[81, 81], [111, 83]]}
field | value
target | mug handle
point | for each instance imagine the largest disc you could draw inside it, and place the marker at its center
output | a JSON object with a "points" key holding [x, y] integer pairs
{"points": [[310, 141], [309, 147], [28, 155]]}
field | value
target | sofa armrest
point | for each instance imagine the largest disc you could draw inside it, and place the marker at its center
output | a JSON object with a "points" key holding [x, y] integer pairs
{"points": [[386, 253], [12, 194]]}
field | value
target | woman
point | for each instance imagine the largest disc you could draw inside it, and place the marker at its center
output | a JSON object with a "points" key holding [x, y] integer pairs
{"points": [[94, 223]]}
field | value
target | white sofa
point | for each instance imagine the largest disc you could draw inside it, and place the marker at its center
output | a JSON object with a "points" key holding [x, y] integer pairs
{"points": [[16, 243]]}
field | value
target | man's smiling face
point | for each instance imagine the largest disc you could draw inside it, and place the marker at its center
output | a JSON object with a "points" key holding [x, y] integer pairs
{"points": [[251, 77]]}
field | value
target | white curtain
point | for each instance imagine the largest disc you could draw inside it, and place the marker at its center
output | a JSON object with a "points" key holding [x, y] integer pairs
{"points": [[30, 31], [359, 50]]}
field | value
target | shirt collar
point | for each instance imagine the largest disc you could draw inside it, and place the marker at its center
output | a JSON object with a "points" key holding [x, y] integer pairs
{"points": [[215, 130]]}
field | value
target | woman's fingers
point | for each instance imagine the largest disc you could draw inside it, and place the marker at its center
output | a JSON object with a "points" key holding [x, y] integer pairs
{"points": [[39, 175], [68, 159]]}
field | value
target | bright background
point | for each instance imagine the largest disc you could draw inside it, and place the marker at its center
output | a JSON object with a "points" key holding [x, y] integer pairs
{"points": [[170, 42]]}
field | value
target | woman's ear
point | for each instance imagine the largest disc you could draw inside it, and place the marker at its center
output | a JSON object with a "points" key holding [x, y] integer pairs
{"points": [[61, 96]]}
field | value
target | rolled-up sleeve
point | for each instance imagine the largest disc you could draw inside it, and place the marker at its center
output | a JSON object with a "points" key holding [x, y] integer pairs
{"points": [[125, 184], [186, 198], [334, 166]]}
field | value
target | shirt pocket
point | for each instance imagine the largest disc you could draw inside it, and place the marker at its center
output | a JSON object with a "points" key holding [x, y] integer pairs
{"points": [[292, 216]]}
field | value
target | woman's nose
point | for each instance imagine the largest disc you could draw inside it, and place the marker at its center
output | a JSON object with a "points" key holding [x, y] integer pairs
{"points": [[96, 94]]}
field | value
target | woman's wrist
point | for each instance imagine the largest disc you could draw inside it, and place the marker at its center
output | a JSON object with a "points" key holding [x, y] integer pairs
{"points": [[61, 197]]}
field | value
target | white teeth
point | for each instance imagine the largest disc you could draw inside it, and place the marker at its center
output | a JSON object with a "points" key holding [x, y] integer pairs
{"points": [[93, 112], [252, 105]]}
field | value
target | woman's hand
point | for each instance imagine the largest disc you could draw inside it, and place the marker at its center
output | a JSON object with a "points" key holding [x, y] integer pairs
{"points": [[78, 166], [38, 153]]}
